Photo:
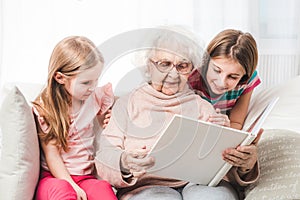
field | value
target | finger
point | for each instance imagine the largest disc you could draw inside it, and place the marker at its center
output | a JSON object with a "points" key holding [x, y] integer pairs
{"points": [[237, 155], [218, 120], [138, 174], [248, 149], [142, 163], [135, 157], [140, 167], [204, 117], [246, 162], [81, 196], [235, 161], [105, 121], [256, 140], [241, 158], [138, 153], [84, 197], [108, 115], [221, 123]]}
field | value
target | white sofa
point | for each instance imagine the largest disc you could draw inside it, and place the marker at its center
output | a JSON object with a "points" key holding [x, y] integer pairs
{"points": [[279, 149]]}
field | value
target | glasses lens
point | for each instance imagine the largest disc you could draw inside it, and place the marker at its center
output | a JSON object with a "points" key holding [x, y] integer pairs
{"points": [[184, 68], [164, 66]]}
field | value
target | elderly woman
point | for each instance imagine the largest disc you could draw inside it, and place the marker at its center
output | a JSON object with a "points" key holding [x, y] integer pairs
{"points": [[139, 118]]}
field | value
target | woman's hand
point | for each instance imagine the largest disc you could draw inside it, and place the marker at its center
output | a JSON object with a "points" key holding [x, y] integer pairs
{"points": [[136, 161], [219, 118]]}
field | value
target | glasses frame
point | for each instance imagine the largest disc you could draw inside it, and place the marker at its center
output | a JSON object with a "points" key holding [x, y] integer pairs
{"points": [[156, 64]]}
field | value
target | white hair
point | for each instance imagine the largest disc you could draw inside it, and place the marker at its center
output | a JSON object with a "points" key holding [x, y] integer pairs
{"points": [[177, 40]]}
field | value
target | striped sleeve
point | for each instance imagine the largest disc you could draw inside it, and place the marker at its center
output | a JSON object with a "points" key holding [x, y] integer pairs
{"points": [[253, 82]]}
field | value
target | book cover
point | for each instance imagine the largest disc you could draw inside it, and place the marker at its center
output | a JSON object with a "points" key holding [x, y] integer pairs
{"points": [[191, 149]]}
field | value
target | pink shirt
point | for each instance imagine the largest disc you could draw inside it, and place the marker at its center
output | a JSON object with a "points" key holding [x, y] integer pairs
{"points": [[137, 120], [79, 160]]}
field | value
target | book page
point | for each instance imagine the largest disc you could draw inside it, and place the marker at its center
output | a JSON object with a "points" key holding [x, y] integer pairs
{"points": [[195, 145]]}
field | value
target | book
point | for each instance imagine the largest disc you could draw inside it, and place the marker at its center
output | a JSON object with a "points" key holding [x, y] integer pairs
{"points": [[191, 149]]}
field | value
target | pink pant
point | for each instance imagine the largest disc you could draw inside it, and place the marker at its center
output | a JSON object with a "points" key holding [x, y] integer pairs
{"points": [[51, 188]]}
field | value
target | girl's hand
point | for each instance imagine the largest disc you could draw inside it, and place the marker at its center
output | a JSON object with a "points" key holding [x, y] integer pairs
{"points": [[219, 118], [136, 161], [243, 157], [107, 117], [81, 195]]}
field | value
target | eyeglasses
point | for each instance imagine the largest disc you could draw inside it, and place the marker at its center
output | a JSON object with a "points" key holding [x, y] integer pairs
{"points": [[166, 66]]}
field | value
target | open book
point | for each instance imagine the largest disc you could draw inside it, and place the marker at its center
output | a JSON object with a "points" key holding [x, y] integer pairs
{"points": [[191, 150]]}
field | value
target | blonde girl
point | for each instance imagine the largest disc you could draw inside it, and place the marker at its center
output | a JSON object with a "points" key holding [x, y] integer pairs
{"points": [[65, 111]]}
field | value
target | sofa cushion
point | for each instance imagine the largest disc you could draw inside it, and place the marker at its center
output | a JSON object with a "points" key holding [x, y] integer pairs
{"points": [[279, 157], [19, 162], [285, 114]]}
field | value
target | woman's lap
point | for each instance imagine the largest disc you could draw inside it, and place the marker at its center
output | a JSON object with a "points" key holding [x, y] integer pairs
{"points": [[224, 191], [159, 193], [191, 191]]}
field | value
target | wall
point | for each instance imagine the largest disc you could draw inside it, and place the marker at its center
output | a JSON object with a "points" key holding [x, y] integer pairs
{"points": [[1, 40], [30, 29]]}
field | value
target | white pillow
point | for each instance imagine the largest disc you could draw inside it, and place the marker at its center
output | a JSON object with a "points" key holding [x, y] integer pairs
{"points": [[285, 114], [0, 142], [279, 157], [19, 164]]}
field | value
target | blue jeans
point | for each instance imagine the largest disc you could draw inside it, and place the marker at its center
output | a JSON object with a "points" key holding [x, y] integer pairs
{"points": [[224, 191]]}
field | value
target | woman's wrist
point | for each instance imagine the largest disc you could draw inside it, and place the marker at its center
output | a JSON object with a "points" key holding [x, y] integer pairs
{"points": [[126, 174]]}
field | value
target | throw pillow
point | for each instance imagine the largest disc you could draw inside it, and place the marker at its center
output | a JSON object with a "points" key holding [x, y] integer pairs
{"points": [[279, 157], [19, 164]]}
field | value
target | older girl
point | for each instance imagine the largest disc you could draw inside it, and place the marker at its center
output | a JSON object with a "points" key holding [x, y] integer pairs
{"points": [[226, 79], [228, 76]]}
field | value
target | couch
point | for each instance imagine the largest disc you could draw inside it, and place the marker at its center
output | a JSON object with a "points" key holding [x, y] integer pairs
{"points": [[279, 149]]}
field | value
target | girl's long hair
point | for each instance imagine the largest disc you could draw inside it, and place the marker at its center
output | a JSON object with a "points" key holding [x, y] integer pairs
{"points": [[70, 56], [233, 44]]}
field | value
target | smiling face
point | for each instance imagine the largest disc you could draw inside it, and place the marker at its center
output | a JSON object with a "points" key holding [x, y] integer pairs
{"points": [[170, 82], [223, 74]]}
